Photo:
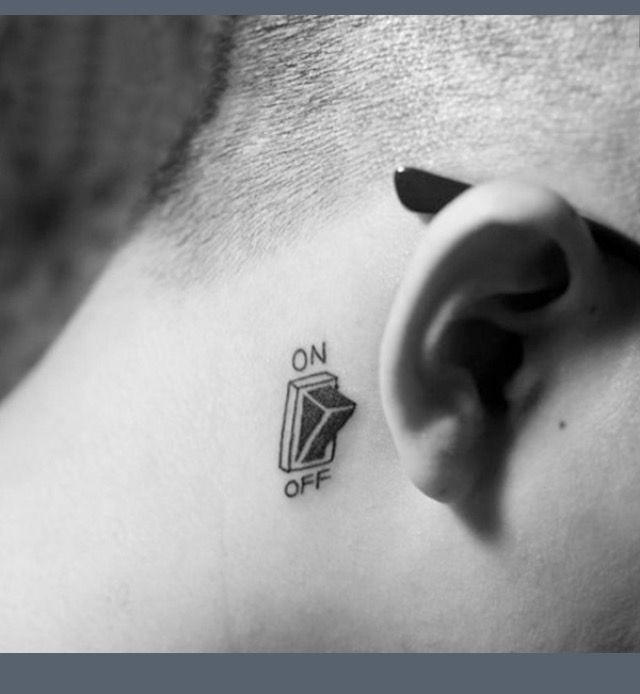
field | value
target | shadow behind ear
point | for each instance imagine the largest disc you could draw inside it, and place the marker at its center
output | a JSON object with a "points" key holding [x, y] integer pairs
{"points": [[502, 274]]}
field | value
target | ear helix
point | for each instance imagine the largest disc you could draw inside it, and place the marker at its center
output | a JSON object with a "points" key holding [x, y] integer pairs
{"points": [[503, 262], [428, 193]]}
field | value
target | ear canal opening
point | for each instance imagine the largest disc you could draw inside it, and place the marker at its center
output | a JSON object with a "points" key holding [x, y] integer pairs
{"points": [[551, 265], [489, 353]]}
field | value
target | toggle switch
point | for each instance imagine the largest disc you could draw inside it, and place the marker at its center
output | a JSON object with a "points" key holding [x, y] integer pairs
{"points": [[315, 412]]}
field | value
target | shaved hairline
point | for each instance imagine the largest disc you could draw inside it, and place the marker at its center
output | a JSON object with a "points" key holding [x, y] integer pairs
{"points": [[315, 108]]}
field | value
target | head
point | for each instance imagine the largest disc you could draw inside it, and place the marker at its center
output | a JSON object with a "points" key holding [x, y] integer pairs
{"points": [[482, 494]]}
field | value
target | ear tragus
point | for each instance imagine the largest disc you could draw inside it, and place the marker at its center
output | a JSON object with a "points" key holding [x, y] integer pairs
{"points": [[503, 271]]}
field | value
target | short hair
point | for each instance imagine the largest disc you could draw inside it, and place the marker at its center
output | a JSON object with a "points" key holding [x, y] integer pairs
{"points": [[89, 108], [219, 134], [317, 108]]}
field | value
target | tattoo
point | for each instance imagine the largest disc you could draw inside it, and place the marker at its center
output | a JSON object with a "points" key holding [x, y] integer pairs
{"points": [[301, 359], [314, 413]]}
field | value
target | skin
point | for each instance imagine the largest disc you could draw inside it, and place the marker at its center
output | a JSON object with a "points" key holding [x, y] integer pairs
{"points": [[142, 504]]}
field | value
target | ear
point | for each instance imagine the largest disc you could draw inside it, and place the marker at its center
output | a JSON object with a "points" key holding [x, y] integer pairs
{"points": [[504, 274]]}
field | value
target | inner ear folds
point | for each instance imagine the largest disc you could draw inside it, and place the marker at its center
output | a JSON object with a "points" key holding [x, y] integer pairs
{"points": [[550, 265], [502, 263], [483, 335], [490, 354]]}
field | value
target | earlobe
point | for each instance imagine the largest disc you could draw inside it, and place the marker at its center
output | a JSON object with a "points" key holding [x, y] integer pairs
{"points": [[503, 273]]}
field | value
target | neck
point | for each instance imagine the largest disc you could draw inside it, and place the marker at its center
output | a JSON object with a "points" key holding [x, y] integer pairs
{"points": [[150, 435]]}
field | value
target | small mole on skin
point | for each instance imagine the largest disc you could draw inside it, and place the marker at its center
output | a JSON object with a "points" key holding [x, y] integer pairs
{"points": [[592, 310], [562, 424]]}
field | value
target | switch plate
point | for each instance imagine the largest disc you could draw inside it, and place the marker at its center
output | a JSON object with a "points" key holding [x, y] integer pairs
{"points": [[314, 413]]}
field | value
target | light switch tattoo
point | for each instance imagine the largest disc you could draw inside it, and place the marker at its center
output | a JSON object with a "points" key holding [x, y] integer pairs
{"points": [[315, 411]]}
